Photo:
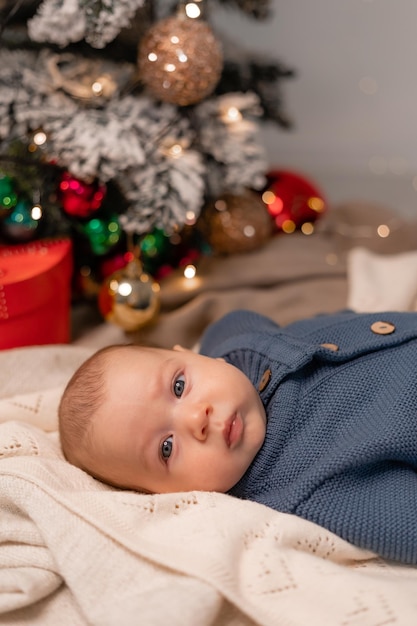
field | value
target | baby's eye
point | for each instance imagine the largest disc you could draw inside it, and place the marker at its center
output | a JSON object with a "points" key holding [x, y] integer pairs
{"points": [[166, 447], [179, 385]]}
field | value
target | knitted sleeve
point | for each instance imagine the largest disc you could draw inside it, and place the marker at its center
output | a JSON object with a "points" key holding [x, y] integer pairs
{"points": [[373, 507]]}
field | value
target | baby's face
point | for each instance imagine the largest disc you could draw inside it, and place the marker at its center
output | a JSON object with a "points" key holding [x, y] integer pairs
{"points": [[174, 420]]}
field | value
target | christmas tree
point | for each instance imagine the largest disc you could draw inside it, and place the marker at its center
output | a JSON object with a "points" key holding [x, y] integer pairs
{"points": [[128, 126]]}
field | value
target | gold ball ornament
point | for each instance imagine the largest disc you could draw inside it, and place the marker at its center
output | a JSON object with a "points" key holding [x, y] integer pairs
{"points": [[180, 60], [236, 223], [129, 298]]}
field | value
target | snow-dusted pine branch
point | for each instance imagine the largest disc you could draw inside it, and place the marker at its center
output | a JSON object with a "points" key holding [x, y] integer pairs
{"points": [[63, 22], [228, 134], [165, 159]]}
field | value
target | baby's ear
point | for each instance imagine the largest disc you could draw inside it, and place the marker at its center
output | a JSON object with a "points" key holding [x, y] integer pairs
{"points": [[179, 348]]}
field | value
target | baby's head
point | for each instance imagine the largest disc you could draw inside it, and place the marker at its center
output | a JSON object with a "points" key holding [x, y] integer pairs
{"points": [[161, 421]]}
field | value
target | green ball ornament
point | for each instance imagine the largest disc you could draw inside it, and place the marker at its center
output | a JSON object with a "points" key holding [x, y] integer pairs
{"points": [[154, 244], [19, 225], [102, 234], [8, 197]]}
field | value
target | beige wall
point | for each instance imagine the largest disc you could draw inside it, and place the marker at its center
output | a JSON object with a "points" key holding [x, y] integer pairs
{"points": [[354, 101]]}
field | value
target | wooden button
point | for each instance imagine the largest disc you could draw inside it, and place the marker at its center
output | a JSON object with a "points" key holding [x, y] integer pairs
{"points": [[266, 377], [330, 346], [382, 328]]}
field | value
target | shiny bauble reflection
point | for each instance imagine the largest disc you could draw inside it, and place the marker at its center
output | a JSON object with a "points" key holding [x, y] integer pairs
{"points": [[129, 298]]}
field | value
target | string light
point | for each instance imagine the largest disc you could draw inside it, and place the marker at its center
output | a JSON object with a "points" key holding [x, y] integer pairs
{"points": [[383, 231], [275, 203], [307, 228], [220, 205], [192, 10], [97, 88], [249, 230], [182, 57], [124, 289], [288, 227], [190, 271], [39, 138], [366, 232], [173, 150], [190, 218], [36, 212], [316, 204], [268, 197], [8, 200], [231, 115]]}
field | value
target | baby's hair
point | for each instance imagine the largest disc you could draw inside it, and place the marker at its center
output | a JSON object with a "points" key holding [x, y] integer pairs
{"points": [[82, 397]]}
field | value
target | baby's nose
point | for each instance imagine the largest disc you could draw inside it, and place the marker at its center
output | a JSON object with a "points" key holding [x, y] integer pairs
{"points": [[198, 420]]}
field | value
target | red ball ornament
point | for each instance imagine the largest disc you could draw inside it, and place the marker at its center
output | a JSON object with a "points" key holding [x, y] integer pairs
{"points": [[115, 263], [78, 198], [293, 201]]}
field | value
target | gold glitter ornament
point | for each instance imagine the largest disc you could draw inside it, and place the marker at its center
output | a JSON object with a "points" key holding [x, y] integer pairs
{"points": [[129, 298], [180, 60], [236, 223]]}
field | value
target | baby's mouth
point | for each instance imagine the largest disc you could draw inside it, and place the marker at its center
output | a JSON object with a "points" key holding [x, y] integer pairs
{"points": [[233, 431]]}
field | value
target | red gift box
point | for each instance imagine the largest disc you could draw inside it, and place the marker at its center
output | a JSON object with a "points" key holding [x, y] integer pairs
{"points": [[35, 293]]}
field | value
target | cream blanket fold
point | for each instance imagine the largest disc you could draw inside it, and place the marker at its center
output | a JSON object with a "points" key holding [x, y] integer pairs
{"points": [[382, 282], [75, 552]]}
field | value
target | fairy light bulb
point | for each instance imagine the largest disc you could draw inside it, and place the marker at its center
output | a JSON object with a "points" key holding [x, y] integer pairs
{"points": [[39, 138], [307, 228], [231, 115], [190, 271], [316, 204], [124, 289], [38, 141], [190, 218], [192, 10], [97, 88], [36, 212], [176, 150], [103, 85], [383, 231], [288, 227], [172, 148]]}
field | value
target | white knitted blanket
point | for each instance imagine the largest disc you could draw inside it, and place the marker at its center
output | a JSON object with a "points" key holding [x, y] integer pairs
{"points": [[75, 552]]}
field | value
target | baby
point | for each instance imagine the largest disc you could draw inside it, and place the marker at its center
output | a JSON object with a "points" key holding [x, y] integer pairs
{"points": [[161, 420], [317, 419]]}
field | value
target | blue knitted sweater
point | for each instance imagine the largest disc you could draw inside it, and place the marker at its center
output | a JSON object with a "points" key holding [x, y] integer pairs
{"points": [[341, 439]]}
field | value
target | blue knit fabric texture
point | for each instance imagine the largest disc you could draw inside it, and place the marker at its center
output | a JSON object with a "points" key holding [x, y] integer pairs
{"points": [[341, 442]]}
